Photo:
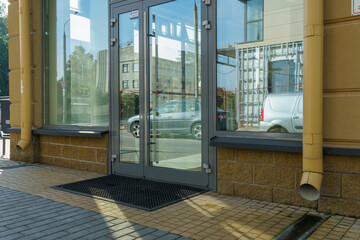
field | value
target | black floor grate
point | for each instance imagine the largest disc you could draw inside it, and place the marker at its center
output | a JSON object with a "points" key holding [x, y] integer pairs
{"points": [[134, 192], [302, 228]]}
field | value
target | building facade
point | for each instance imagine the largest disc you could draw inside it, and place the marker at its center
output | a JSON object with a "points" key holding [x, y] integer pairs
{"points": [[206, 93]]}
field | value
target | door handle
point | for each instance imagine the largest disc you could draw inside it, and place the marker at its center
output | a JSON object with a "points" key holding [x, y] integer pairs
{"points": [[296, 117]]}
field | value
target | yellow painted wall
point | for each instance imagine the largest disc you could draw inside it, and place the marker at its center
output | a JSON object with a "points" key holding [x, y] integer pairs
{"points": [[14, 62], [341, 75]]}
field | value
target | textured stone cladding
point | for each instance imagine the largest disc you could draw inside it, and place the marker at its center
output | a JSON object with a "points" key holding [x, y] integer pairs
{"points": [[275, 176], [82, 153]]}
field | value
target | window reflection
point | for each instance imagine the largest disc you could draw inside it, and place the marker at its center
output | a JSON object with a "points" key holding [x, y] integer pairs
{"points": [[259, 65], [77, 63], [175, 84]]}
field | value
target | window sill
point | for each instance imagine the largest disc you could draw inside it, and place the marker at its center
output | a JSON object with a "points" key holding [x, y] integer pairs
{"points": [[284, 145], [96, 133], [257, 144]]}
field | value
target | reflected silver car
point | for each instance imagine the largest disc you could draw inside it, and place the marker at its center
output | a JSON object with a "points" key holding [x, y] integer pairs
{"points": [[177, 117], [173, 117], [282, 113]]}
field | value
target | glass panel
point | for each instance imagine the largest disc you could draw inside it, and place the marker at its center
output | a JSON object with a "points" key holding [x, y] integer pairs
{"points": [[175, 85], [77, 63], [254, 10], [254, 31], [129, 93], [259, 84]]}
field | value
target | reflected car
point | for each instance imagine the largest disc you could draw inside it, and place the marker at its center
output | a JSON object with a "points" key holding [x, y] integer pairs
{"points": [[175, 117], [282, 113]]}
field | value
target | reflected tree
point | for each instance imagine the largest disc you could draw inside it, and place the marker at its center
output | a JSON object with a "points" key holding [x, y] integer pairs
{"points": [[4, 52]]}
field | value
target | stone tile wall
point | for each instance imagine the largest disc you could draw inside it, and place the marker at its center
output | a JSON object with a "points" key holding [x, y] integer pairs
{"points": [[82, 153], [275, 176]]}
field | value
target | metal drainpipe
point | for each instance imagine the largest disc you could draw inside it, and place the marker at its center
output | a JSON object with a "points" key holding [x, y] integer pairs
{"points": [[25, 76], [313, 100]]}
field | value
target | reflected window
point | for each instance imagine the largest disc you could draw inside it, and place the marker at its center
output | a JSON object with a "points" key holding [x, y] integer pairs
{"points": [[243, 18], [125, 68], [135, 67], [259, 65], [135, 83], [125, 84], [76, 62]]}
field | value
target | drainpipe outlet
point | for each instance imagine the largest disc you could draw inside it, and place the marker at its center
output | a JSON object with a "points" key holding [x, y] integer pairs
{"points": [[22, 145], [310, 185]]}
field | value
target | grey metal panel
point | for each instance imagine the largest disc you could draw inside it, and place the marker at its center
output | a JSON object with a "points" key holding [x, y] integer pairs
{"points": [[176, 176], [211, 71], [208, 154], [111, 95]]}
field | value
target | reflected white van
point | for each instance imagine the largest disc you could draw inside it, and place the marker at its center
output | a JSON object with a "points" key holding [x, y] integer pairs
{"points": [[282, 113]]}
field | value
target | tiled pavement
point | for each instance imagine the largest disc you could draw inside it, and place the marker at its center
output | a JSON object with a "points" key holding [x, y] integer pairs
{"points": [[6, 153], [25, 216], [207, 216], [6, 163]]}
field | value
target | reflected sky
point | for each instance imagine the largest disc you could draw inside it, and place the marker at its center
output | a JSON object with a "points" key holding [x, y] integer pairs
{"points": [[92, 22], [230, 16]]}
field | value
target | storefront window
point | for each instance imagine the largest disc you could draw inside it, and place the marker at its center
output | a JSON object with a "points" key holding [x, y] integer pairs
{"points": [[259, 65], [77, 81]]}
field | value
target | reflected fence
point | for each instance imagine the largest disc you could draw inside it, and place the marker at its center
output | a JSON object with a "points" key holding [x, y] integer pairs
{"points": [[255, 73]]}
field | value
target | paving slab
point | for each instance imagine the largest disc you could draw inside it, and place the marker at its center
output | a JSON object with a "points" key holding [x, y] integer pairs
{"points": [[26, 196], [15, 227]]}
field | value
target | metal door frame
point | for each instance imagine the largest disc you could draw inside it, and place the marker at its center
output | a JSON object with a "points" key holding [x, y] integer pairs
{"points": [[136, 170], [143, 170]]}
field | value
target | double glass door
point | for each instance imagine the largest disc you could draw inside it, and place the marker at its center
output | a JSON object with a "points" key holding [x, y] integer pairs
{"points": [[156, 91]]}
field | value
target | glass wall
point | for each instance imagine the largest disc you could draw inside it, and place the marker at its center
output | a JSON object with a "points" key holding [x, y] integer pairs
{"points": [[259, 65], [76, 62]]}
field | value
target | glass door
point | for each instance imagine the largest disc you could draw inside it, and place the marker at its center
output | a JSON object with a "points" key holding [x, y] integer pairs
{"points": [[160, 92], [127, 89]]}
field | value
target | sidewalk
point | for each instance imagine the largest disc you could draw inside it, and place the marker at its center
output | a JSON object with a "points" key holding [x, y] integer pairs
{"points": [[57, 214]]}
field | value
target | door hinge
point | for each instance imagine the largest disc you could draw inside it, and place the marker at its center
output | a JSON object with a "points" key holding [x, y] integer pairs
{"points": [[113, 41], [207, 168], [206, 24], [112, 22], [114, 157], [207, 2]]}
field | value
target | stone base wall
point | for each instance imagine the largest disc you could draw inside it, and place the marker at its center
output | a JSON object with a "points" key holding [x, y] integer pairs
{"points": [[275, 177], [31, 154], [82, 153]]}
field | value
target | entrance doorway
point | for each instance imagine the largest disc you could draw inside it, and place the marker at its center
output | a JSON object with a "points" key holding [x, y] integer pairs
{"points": [[157, 98]]}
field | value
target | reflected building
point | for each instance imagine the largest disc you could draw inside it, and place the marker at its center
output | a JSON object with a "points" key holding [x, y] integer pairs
{"points": [[266, 58]]}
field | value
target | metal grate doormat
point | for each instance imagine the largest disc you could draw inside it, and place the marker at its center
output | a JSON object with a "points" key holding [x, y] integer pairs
{"points": [[134, 192]]}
